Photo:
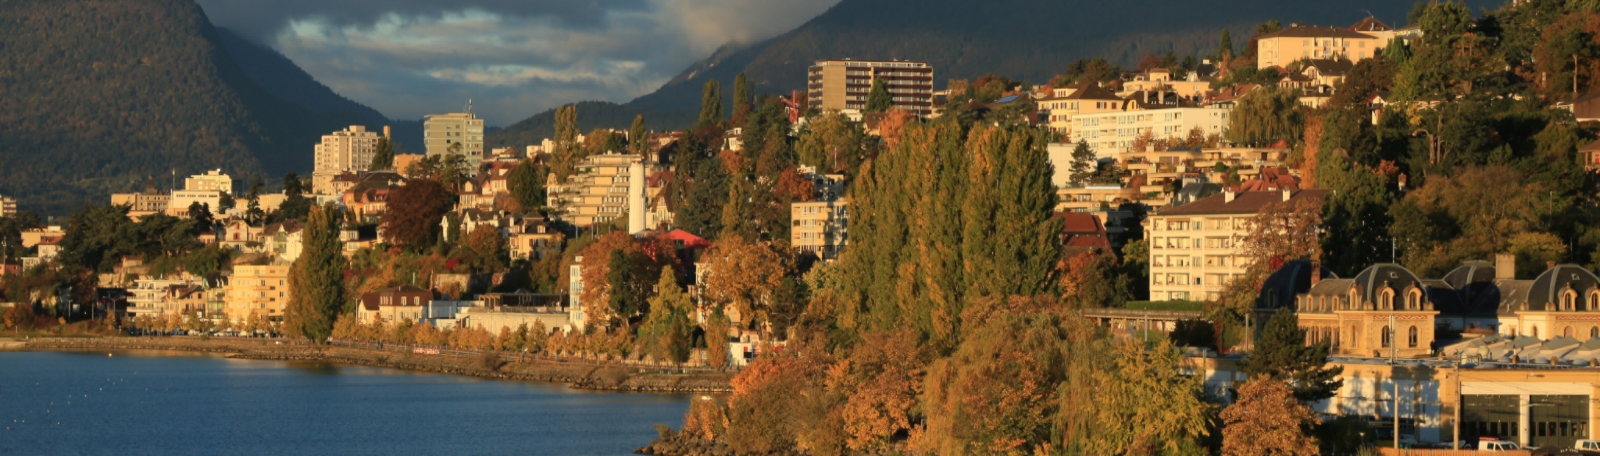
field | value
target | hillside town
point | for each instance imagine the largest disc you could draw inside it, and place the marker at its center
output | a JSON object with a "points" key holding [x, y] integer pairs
{"points": [[1327, 209]]}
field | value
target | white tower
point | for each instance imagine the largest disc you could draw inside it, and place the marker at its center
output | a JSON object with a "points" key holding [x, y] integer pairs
{"points": [[636, 197]]}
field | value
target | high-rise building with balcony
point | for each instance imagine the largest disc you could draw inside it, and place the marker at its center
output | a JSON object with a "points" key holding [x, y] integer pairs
{"points": [[844, 84], [442, 131], [348, 150]]}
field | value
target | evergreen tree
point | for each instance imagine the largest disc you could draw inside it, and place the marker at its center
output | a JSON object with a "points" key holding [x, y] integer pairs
{"points": [[701, 212], [564, 159], [292, 187], [316, 280], [741, 99], [1225, 46], [667, 330], [621, 295], [710, 105], [879, 99], [201, 214], [526, 183], [382, 155], [1281, 353], [638, 137], [1083, 164], [253, 210]]}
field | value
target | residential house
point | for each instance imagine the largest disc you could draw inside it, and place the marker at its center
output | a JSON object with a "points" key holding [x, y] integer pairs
{"points": [[150, 201], [1196, 248], [1063, 104], [404, 302], [368, 198], [242, 236], [284, 240], [534, 239], [1160, 80], [1280, 48]]}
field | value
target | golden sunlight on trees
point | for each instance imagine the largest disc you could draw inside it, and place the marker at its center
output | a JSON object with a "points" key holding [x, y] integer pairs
{"points": [[1267, 420]]}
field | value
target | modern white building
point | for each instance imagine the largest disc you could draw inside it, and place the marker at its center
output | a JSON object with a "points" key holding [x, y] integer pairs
{"points": [[1110, 133], [347, 150]]}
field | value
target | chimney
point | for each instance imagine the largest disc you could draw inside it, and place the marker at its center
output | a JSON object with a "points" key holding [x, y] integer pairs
{"points": [[1316, 272], [1505, 267], [386, 131], [1227, 195], [1287, 194]]}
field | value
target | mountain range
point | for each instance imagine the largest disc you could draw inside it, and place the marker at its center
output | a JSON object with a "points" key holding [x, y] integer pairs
{"points": [[101, 96]]}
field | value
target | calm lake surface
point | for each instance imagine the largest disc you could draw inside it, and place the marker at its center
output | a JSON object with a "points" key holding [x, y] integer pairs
{"points": [[146, 402]]}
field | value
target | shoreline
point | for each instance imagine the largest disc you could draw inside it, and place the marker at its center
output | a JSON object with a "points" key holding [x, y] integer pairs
{"points": [[578, 375]]}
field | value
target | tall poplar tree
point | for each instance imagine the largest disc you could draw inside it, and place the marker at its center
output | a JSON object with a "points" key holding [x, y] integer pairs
{"points": [[879, 99], [1225, 46], [667, 330], [567, 153], [710, 105], [638, 137], [741, 99], [382, 155], [316, 280]]}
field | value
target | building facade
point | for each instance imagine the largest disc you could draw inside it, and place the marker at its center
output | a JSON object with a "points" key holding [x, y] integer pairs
{"points": [[347, 150], [142, 204], [1280, 48], [178, 204], [599, 192], [1065, 103], [442, 131], [258, 290], [213, 180], [8, 206], [820, 227], [844, 84], [1113, 132], [1196, 248]]}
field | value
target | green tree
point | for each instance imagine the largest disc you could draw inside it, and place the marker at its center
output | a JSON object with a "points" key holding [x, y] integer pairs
{"points": [[879, 99], [1225, 45], [667, 329], [638, 137], [742, 97], [253, 210], [382, 155], [316, 280], [623, 296], [830, 142], [564, 159], [526, 183], [1084, 163], [1281, 353], [1266, 115], [710, 105]]}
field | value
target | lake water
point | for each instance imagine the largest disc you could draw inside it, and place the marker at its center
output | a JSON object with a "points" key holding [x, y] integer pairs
{"points": [[182, 403]]}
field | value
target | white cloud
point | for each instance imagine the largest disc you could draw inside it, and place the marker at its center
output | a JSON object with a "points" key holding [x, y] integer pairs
{"points": [[514, 63]]}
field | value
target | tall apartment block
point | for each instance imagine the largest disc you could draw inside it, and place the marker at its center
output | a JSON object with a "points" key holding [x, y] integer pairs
{"points": [[213, 180], [441, 131], [8, 206], [347, 150], [844, 84]]}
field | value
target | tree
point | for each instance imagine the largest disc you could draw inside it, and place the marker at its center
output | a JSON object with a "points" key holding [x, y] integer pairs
{"points": [[564, 159], [1267, 420], [619, 278], [716, 329], [1139, 376], [489, 248], [744, 276], [292, 186], [667, 330], [316, 280], [1281, 353], [1266, 115], [1083, 164], [638, 137], [742, 97], [879, 99], [710, 105], [253, 210], [412, 216], [200, 213], [1225, 45], [382, 155], [1280, 232], [526, 183]]}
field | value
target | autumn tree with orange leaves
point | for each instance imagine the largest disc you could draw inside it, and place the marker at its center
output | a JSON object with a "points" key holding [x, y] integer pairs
{"points": [[1267, 420]]}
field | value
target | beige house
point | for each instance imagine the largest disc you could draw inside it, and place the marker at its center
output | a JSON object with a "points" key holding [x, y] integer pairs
{"points": [[1064, 103], [178, 204], [1195, 249], [347, 150], [210, 180], [1280, 48], [141, 204], [1160, 79], [820, 227], [260, 290], [844, 84]]}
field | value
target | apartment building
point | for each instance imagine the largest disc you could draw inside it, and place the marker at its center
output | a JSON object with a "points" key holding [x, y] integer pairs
{"points": [[1195, 249], [8, 206], [610, 185], [1160, 79], [1111, 133], [441, 131], [1280, 48], [213, 180], [261, 290], [844, 84], [1063, 103], [820, 227], [347, 150], [141, 204]]}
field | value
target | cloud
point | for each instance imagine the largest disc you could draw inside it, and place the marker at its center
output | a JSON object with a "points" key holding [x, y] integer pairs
{"points": [[408, 58]]}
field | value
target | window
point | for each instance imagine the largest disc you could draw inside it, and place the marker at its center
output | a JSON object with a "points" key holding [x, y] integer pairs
{"points": [[1386, 299], [1411, 337], [1386, 337]]}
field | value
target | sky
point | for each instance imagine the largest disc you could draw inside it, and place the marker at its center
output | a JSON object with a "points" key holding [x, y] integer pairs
{"points": [[512, 58]]}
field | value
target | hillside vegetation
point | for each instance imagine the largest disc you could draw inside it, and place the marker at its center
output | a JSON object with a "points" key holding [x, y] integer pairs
{"points": [[96, 95]]}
